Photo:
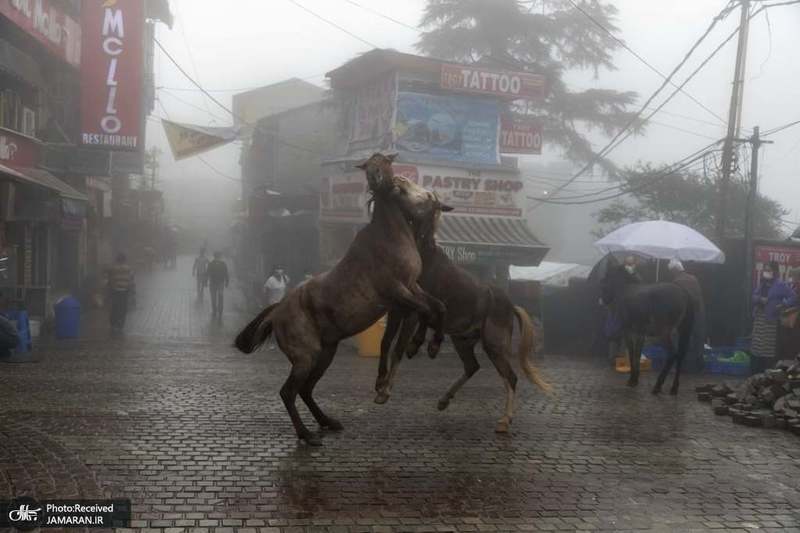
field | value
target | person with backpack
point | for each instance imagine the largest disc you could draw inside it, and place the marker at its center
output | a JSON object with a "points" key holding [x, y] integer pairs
{"points": [[200, 272], [218, 281]]}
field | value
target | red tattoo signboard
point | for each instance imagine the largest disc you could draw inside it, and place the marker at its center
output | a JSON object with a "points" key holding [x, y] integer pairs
{"points": [[111, 73], [520, 136], [480, 80]]}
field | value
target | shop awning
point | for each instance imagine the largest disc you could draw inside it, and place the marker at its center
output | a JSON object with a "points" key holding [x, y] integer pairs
{"points": [[42, 178], [490, 238]]}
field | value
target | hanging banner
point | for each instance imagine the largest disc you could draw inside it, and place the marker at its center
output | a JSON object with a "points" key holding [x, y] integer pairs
{"points": [[112, 64], [480, 80], [45, 21], [373, 109], [187, 140], [448, 128], [520, 136]]}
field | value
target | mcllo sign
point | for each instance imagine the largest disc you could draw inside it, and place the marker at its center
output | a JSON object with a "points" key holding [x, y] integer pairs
{"points": [[111, 73], [479, 80]]}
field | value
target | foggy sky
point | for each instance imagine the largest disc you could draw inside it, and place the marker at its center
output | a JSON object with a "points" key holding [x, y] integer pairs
{"points": [[250, 43]]}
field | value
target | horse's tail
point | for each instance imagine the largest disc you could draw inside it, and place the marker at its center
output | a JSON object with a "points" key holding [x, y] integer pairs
{"points": [[256, 332], [526, 347]]}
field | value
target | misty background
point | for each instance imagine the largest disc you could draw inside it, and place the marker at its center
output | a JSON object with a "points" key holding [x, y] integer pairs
{"points": [[245, 44]]}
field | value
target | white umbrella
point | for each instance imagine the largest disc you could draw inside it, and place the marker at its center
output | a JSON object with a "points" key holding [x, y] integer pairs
{"points": [[662, 240]]}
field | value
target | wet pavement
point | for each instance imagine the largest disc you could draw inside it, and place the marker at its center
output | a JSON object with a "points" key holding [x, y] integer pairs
{"points": [[197, 436]]}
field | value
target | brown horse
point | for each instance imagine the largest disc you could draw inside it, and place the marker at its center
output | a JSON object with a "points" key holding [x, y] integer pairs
{"points": [[475, 312], [379, 271]]}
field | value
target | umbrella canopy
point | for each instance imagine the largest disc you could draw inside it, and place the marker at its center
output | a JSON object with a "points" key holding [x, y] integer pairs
{"points": [[662, 240]]}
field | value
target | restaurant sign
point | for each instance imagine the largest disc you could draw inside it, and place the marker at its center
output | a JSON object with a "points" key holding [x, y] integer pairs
{"points": [[111, 75], [344, 198], [47, 23], [786, 256], [480, 80]]}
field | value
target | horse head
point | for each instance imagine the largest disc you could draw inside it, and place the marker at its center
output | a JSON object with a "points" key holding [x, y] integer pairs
{"points": [[417, 204], [616, 279]]}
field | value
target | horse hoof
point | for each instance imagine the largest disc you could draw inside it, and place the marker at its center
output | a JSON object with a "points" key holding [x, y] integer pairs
{"points": [[442, 405], [412, 350], [313, 440], [332, 425], [502, 427], [632, 383], [673, 392], [381, 398], [433, 349], [656, 391]]}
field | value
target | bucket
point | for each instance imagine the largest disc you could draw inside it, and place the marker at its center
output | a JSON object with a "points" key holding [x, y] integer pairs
{"points": [[369, 340], [68, 318]]}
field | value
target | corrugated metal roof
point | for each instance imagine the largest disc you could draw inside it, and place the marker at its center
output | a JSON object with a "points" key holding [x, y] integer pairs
{"points": [[486, 231], [42, 178]]}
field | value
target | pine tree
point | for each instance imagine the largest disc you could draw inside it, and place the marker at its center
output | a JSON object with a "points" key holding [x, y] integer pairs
{"points": [[548, 37]]}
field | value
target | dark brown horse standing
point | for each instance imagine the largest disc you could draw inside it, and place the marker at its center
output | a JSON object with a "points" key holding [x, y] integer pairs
{"points": [[475, 312], [642, 310], [378, 272]]}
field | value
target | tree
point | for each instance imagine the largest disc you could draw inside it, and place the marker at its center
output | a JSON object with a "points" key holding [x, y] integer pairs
{"points": [[548, 37], [687, 198]]}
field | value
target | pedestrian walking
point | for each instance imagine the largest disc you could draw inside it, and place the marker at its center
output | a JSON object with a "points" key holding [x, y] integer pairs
{"points": [[121, 286], [200, 272], [613, 324], [276, 285], [218, 281], [691, 285], [769, 298]]}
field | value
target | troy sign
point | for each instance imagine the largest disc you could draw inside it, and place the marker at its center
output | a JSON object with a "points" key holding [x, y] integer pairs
{"points": [[479, 80], [47, 23], [111, 75], [520, 137]]}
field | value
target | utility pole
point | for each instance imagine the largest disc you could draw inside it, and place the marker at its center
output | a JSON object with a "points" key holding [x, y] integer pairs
{"points": [[749, 214], [734, 118]]}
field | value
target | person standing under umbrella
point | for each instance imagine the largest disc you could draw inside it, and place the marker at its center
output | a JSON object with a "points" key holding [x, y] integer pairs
{"points": [[768, 299]]}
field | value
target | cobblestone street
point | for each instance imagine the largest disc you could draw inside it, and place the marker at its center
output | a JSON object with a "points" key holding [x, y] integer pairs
{"points": [[196, 435]]}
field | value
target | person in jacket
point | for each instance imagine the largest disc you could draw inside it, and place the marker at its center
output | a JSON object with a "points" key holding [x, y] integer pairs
{"points": [[770, 297], [200, 272], [120, 285], [218, 281], [692, 286]]}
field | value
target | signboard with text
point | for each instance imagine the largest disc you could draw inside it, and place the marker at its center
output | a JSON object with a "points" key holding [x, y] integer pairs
{"points": [[344, 198], [518, 136], [448, 128], [111, 74], [45, 21], [787, 257], [481, 80], [373, 110], [17, 151]]}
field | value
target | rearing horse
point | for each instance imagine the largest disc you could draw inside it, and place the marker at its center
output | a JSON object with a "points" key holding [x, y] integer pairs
{"points": [[657, 310], [378, 272]]}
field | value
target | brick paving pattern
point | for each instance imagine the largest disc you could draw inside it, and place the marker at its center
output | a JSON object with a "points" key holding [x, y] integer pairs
{"points": [[196, 435]]}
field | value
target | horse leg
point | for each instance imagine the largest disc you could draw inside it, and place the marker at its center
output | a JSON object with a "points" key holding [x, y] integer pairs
{"points": [[685, 331], [297, 378], [397, 356], [307, 389], [438, 309], [465, 347], [415, 299], [497, 345], [666, 342], [393, 323], [633, 359]]}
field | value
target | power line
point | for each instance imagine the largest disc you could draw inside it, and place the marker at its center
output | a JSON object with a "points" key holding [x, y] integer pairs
{"points": [[383, 15], [781, 128], [642, 59], [611, 144], [277, 137], [331, 23], [190, 104]]}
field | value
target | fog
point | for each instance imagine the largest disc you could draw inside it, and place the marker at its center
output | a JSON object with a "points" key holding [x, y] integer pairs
{"points": [[250, 43]]}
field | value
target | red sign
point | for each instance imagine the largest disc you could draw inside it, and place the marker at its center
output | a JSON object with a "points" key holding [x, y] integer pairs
{"points": [[17, 151], [46, 23], [111, 75], [520, 136], [479, 80], [787, 257]]}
